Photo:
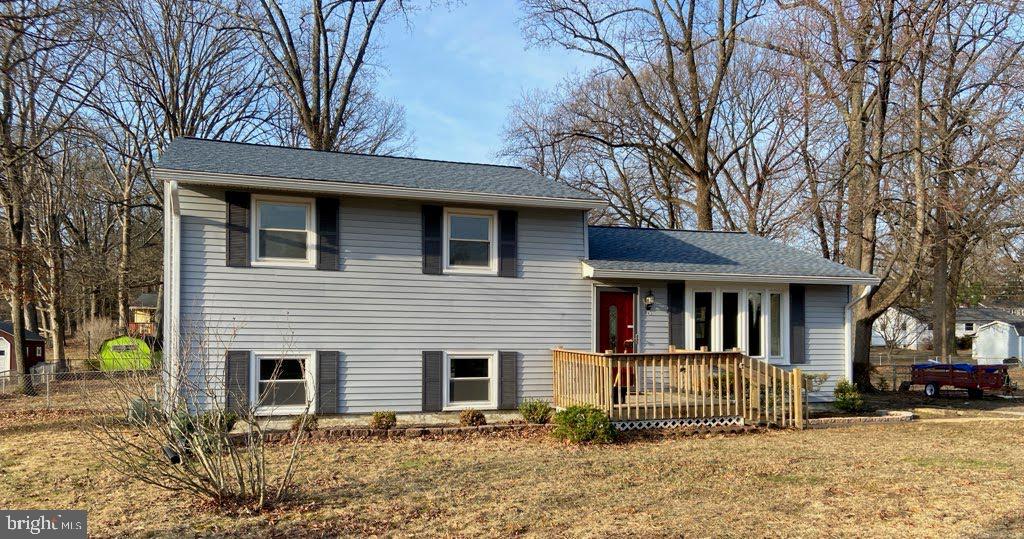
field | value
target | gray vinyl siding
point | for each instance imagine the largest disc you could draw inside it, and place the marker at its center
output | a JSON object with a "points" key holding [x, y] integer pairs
{"points": [[380, 311], [826, 340]]}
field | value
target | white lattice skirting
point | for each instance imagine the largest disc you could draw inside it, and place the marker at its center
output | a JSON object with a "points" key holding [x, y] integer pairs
{"points": [[704, 422]]}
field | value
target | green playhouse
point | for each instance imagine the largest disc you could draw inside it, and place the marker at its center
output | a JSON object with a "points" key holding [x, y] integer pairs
{"points": [[127, 353]]}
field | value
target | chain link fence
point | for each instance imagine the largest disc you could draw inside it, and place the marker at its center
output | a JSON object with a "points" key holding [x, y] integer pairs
{"points": [[46, 389]]}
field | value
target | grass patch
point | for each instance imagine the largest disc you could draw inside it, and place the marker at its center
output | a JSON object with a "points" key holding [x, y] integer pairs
{"points": [[957, 463], [910, 480]]}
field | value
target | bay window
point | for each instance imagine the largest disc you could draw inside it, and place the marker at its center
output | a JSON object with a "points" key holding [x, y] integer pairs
{"points": [[752, 319]]}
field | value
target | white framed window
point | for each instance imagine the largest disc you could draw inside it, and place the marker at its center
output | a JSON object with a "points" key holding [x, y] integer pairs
{"points": [[282, 382], [968, 326], [283, 232], [755, 323], [775, 319], [470, 380], [752, 319], [470, 241], [39, 350]]}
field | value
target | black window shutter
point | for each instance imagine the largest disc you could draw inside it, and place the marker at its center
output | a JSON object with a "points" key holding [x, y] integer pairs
{"points": [[507, 242], [327, 366], [236, 380], [507, 380], [433, 378], [328, 232], [797, 324], [238, 206], [432, 216], [676, 307]]}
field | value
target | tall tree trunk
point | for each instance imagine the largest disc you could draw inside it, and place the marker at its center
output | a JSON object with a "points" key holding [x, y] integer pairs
{"points": [[16, 220], [703, 201], [123, 263]]}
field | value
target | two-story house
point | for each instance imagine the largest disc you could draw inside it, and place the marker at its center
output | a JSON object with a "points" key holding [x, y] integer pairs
{"points": [[360, 283]]}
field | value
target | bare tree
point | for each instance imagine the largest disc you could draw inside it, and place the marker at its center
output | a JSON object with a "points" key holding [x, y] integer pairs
{"points": [[319, 59], [674, 56], [175, 68], [43, 79]]}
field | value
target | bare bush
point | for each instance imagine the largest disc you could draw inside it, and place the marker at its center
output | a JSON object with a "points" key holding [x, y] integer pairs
{"points": [[183, 435]]}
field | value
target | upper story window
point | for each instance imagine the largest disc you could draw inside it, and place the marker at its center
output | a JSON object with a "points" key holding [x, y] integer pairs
{"points": [[968, 326], [284, 231], [469, 241]]}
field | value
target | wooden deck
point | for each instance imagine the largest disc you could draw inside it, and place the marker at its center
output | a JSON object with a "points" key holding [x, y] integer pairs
{"points": [[679, 385]]}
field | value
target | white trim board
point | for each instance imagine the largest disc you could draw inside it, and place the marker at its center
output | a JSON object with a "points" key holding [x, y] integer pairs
{"points": [[372, 190], [596, 273]]}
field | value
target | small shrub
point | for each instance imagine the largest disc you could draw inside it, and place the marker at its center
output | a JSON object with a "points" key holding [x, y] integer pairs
{"points": [[538, 412], [472, 418], [582, 424], [305, 423], [385, 420], [848, 399]]}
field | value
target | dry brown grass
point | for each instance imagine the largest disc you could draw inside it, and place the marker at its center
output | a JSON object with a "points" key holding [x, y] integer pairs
{"points": [[921, 479]]}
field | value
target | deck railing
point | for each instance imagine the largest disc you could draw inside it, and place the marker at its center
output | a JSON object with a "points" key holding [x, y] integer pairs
{"points": [[679, 385]]}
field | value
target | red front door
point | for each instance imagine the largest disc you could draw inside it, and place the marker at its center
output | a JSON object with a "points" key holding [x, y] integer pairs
{"points": [[615, 321]]}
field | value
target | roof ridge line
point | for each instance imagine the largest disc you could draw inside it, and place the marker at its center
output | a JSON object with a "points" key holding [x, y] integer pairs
{"points": [[357, 154], [675, 229]]}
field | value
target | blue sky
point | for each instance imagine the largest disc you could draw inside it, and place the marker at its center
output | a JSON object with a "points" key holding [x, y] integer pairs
{"points": [[456, 71]]}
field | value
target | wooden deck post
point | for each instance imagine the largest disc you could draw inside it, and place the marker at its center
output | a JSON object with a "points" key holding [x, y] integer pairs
{"points": [[798, 400]]}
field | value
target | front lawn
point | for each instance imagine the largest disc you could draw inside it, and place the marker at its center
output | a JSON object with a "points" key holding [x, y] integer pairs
{"points": [[923, 479]]}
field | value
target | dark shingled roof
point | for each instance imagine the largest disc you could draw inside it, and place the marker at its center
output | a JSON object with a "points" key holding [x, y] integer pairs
{"points": [[978, 315], [983, 314], [201, 155], [689, 251], [8, 328], [146, 300]]}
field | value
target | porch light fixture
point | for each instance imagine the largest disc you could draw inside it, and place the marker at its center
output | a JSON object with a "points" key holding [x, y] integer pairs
{"points": [[649, 300]]}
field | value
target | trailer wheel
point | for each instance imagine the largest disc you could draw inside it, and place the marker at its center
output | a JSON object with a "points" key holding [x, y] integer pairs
{"points": [[931, 390], [974, 393]]}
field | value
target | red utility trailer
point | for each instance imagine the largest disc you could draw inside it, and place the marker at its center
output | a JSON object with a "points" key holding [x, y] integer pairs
{"points": [[974, 378]]}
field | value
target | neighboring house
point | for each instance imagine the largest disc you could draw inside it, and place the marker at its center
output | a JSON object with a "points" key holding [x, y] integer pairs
{"points": [[911, 328], [996, 341], [35, 347], [969, 319], [902, 327], [143, 315], [369, 283], [1015, 308]]}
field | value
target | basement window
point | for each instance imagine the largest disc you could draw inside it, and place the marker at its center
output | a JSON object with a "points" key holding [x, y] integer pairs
{"points": [[470, 380], [284, 383]]}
